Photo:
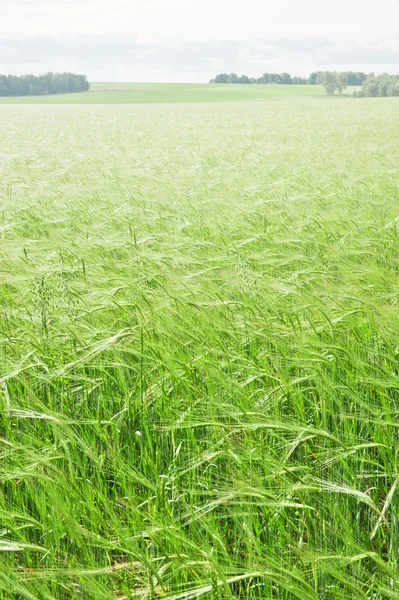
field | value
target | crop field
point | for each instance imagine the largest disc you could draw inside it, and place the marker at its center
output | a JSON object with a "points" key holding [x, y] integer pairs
{"points": [[199, 357], [163, 93]]}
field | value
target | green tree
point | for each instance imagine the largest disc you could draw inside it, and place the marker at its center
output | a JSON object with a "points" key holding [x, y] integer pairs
{"points": [[50, 83], [333, 81], [342, 82], [243, 79], [380, 85], [286, 78], [356, 78], [221, 78], [299, 80], [314, 78]]}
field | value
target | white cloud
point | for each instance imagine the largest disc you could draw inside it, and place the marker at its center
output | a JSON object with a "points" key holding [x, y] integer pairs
{"points": [[127, 58], [203, 19], [187, 40]]}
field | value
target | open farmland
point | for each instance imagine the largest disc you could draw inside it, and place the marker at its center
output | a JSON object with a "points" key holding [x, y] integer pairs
{"points": [[163, 93], [199, 350]]}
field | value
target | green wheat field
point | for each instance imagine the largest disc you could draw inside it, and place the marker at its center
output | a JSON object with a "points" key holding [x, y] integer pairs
{"points": [[163, 93], [199, 357]]}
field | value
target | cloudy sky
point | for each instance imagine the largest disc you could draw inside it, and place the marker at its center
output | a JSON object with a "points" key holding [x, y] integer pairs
{"points": [[191, 40]]}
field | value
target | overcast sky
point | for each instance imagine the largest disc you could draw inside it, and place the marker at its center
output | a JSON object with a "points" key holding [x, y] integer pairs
{"points": [[191, 40]]}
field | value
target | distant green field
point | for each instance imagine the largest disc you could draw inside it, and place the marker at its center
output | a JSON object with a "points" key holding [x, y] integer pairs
{"points": [[161, 93]]}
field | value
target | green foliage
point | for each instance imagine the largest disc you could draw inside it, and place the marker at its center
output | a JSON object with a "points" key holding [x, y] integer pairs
{"points": [[221, 78], [300, 81], [51, 83], [272, 78], [380, 85], [199, 352], [357, 78], [313, 78], [232, 78], [346, 78], [286, 79], [333, 81], [354, 78]]}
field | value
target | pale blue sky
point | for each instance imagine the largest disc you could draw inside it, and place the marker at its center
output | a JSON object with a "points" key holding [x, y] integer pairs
{"points": [[190, 40]]}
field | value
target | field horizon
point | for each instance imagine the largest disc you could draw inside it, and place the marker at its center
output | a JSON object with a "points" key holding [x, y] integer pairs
{"points": [[163, 93]]}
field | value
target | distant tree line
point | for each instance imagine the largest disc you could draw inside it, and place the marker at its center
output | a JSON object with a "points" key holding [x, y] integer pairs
{"points": [[351, 78], [373, 86], [380, 85], [42, 85]]}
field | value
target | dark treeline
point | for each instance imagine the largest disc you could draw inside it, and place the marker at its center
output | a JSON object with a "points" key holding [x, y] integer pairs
{"points": [[42, 85], [382, 85], [285, 78]]}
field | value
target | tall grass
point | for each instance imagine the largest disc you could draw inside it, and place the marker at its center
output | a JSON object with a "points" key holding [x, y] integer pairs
{"points": [[199, 351]]}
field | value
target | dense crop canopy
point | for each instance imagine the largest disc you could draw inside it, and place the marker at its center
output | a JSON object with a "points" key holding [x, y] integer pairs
{"points": [[199, 351]]}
